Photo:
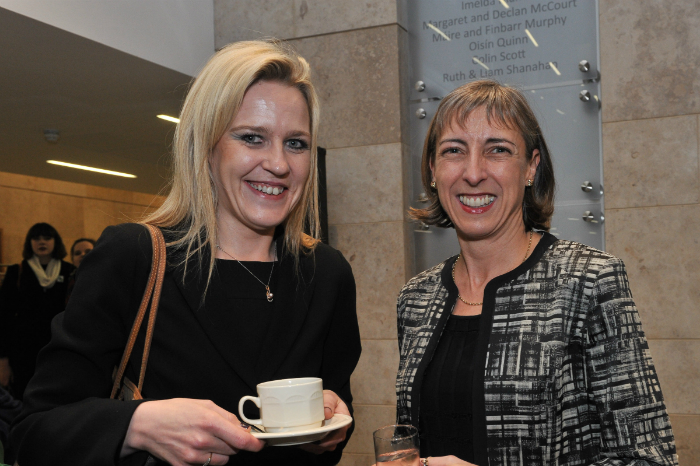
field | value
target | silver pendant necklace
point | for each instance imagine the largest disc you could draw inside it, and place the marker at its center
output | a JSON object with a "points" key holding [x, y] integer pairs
{"points": [[268, 293]]}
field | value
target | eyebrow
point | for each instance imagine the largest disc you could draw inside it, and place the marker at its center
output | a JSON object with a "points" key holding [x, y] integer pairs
{"points": [[457, 140], [267, 130], [488, 141], [257, 129], [299, 133], [499, 140]]}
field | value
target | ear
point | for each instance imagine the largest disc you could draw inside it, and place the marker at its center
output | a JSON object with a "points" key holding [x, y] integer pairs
{"points": [[431, 164], [534, 163]]}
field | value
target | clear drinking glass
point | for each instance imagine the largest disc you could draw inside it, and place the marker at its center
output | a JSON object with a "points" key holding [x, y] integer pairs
{"points": [[396, 445]]}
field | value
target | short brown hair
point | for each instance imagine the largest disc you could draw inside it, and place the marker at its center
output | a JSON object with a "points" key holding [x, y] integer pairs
{"points": [[507, 106]]}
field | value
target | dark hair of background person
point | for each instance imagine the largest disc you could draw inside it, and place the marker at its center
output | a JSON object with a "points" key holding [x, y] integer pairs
{"points": [[506, 106], [80, 240], [44, 229]]}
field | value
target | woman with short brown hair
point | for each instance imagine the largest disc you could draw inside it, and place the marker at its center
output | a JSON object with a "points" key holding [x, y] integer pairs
{"points": [[522, 349]]}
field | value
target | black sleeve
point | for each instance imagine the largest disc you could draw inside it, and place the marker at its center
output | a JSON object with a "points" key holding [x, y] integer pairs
{"points": [[342, 350], [68, 417], [8, 303]]}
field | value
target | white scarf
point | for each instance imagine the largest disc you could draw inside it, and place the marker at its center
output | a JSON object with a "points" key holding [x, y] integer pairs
{"points": [[47, 278]]}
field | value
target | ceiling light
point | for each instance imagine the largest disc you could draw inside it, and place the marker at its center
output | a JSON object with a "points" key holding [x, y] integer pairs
{"points": [[91, 169], [169, 118], [51, 135]]}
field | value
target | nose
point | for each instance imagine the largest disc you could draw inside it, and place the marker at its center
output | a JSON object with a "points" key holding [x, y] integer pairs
{"points": [[474, 169], [276, 160]]}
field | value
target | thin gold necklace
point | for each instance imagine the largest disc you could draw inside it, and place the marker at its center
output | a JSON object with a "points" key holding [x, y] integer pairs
{"points": [[268, 293], [529, 243]]}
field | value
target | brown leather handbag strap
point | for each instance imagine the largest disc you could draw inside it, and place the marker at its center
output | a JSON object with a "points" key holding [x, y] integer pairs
{"points": [[153, 289]]}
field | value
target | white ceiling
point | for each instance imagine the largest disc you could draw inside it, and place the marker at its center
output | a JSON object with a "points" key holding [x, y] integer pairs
{"points": [[103, 101]]}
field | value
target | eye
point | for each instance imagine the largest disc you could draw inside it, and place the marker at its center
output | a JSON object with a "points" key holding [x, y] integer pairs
{"points": [[250, 138], [297, 145], [500, 150], [450, 151]]}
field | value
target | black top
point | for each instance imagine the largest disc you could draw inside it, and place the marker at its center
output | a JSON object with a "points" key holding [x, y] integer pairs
{"points": [[244, 304], [565, 373], [312, 332], [26, 310], [419, 365], [446, 422]]}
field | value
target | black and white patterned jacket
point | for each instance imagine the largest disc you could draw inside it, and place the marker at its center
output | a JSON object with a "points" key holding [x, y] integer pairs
{"points": [[568, 379]]}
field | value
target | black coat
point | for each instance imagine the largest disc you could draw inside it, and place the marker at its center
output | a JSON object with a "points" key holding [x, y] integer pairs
{"points": [[68, 418], [26, 310]]}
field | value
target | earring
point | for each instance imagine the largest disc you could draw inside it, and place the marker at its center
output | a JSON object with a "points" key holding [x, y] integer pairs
{"points": [[529, 183], [433, 185]]}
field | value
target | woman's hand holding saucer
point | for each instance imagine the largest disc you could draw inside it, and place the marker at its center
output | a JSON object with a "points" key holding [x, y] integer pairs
{"points": [[442, 461], [184, 431], [332, 404], [446, 461]]}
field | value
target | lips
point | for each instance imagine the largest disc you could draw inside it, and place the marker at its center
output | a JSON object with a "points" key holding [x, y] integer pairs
{"points": [[476, 201], [272, 190], [476, 204]]}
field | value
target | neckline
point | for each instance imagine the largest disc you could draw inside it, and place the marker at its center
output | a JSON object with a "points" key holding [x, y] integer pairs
{"points": [[247, 262], [545, 242], [459, 317]]}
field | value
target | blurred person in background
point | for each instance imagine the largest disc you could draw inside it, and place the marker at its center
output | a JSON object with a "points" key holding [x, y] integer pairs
{"points": [[81, 247], [32, 293]]}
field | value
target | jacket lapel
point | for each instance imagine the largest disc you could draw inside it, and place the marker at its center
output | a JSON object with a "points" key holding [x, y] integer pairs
{"points": [[292, 300], [221, 337]]}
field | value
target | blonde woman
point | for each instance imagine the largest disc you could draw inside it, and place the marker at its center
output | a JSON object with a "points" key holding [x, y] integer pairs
{"points": [[248, 296]]}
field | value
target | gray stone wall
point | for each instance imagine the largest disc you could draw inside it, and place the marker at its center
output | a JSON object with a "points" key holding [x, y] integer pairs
{"points": [[650, 52]]}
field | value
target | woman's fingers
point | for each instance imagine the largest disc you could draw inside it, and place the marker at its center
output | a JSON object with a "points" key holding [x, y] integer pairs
{"points": [[447, 461], [332, 404], [327, 443], [330, 441], [231, 432], [198, 459], [181, 431]]}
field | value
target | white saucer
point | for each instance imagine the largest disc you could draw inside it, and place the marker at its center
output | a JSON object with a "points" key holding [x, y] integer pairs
{"points": [[283, 439]]}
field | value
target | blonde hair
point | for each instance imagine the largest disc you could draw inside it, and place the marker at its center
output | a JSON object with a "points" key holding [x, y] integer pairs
{"points": [[215, 96]]}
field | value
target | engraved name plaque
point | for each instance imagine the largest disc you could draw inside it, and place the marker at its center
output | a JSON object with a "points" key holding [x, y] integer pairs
{"points": [[549, 50]]}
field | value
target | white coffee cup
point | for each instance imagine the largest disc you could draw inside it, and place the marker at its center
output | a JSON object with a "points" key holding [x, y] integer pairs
{"points": [[287, 405]]}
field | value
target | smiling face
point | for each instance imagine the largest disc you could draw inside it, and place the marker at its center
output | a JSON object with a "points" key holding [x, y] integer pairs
{"points": [[481, 170], [261, 163], [43, 246]]}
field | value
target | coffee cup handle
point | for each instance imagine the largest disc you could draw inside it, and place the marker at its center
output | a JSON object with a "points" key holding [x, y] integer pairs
{"points": [[255, 400]]}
